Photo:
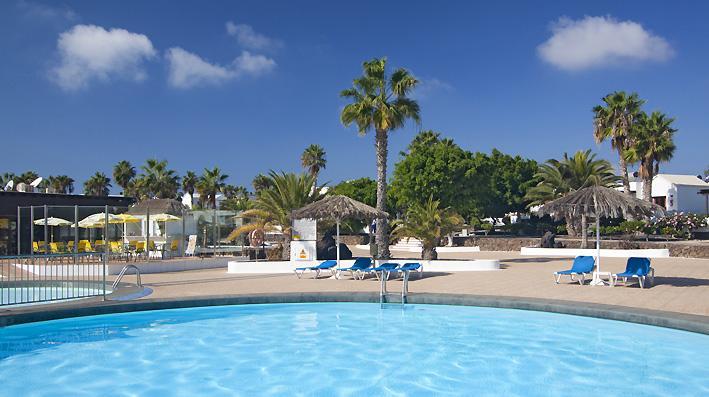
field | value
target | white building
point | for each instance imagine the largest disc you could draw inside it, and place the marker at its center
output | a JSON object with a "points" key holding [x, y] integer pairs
{"points": [[678, 193]]}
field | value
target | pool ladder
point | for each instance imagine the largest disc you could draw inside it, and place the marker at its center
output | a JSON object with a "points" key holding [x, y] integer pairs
{"points": [[123, 273], [384, 294]]}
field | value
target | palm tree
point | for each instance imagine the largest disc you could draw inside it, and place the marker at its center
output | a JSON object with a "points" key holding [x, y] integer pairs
{"points": [[237, 198], [27, 177], [273, 206], [380, 103], [97, 185], [160, 181], [6, 178], [123, 173], [652, 138], [428, 223], [189, 182], [313, 160], [210, 184], [614, 121], [261, 182], [61, 184], [560, 177]]}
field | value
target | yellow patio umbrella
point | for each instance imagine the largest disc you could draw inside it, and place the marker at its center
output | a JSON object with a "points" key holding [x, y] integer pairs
{"points": [[125, 218], [164, 217], [52, 221]]}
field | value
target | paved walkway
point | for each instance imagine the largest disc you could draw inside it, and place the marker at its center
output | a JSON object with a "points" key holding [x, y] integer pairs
{"points": [[681, 284]]}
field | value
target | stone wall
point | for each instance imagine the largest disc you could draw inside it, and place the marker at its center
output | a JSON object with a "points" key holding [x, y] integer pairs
{"points": [[687, 249], [354, 239]]}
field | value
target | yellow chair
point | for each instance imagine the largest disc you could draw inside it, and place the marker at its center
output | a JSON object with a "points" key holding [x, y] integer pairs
{"points": [[85, 246], [116, 247], [54, 248]]}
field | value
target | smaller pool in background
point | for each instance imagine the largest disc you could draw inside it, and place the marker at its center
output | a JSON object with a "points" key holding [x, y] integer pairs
{"points": [[350, 349], [28, 293]]}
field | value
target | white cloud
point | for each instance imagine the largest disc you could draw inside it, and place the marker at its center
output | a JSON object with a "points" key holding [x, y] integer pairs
{"points": [[247, 37], [89, 52], [600, 41], [47, 12], [187, 70], [427, 87]]}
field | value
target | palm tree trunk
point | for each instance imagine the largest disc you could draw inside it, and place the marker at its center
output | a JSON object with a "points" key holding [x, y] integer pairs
{"points": [[570, 225], [429, 253], [647, 183], [584, 231], [624, 172], [285, 255], [382, 235]]}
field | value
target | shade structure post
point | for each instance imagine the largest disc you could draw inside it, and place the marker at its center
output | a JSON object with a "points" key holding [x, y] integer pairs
{"points": [[596, 274], [19, 231], [46, 230], [147, 233], [337, 244]]}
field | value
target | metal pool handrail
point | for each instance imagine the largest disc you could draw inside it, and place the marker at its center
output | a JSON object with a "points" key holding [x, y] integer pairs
{"points": [[123, 273]]}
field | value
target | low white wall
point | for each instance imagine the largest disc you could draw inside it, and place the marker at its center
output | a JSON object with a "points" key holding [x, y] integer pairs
{"points": [[71, 270], [63, 271], [280, 267], [461, 266], [418, 249], [609, 253]]}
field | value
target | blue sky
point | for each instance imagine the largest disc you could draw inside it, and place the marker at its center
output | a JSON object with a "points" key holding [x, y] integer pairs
{"points": [[247, 85]]}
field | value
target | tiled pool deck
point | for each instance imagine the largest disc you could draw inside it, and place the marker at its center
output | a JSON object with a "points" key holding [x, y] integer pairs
{"points": [[681, 288]]}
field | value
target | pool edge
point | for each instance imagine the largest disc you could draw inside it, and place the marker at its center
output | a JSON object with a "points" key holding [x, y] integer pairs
{"points": [[680, 321]]}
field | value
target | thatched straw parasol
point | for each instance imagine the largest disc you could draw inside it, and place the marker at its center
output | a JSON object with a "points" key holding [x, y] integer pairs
{"points": [[599, 201], [338, 208]]}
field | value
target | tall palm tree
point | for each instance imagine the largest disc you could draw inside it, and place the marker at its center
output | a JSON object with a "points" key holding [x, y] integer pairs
{"points": [[6, 177], [561, 177], [613, 121], [189, 182], [160, 181], [274, 204], [429, 223], [653, 143], [380, 103], [313, 160], [210, 184], [27, 177], [123, 173], [97, 185], [61, 184], [261, 182]]}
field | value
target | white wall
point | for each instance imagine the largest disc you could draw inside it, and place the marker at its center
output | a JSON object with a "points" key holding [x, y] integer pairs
{"points": [[689, 199]]}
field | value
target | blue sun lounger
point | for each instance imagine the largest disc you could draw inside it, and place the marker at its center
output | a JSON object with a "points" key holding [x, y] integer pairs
{"points": [[385, 269], [409, 267], [582, 265], [356, 269], [636, 268], [327, 265]]}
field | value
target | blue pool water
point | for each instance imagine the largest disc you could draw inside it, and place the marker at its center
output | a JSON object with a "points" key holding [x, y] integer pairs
{"points": [[349, 349]]}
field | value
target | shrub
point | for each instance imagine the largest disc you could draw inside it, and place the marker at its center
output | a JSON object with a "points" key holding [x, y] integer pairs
{"points": [[680, 225]]}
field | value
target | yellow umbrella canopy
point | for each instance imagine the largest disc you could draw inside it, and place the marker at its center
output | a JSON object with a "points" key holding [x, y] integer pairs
{"points": [[52, 221], [163, 217], [97, 220], [125, 218]]}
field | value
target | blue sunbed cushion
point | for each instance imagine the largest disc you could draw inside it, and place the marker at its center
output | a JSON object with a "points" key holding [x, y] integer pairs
{"points": [[581, 265], [636, 267]]}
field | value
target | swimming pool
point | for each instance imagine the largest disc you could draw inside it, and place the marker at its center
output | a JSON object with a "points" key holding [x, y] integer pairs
{"points": [[349, 349], [29, 293]]}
